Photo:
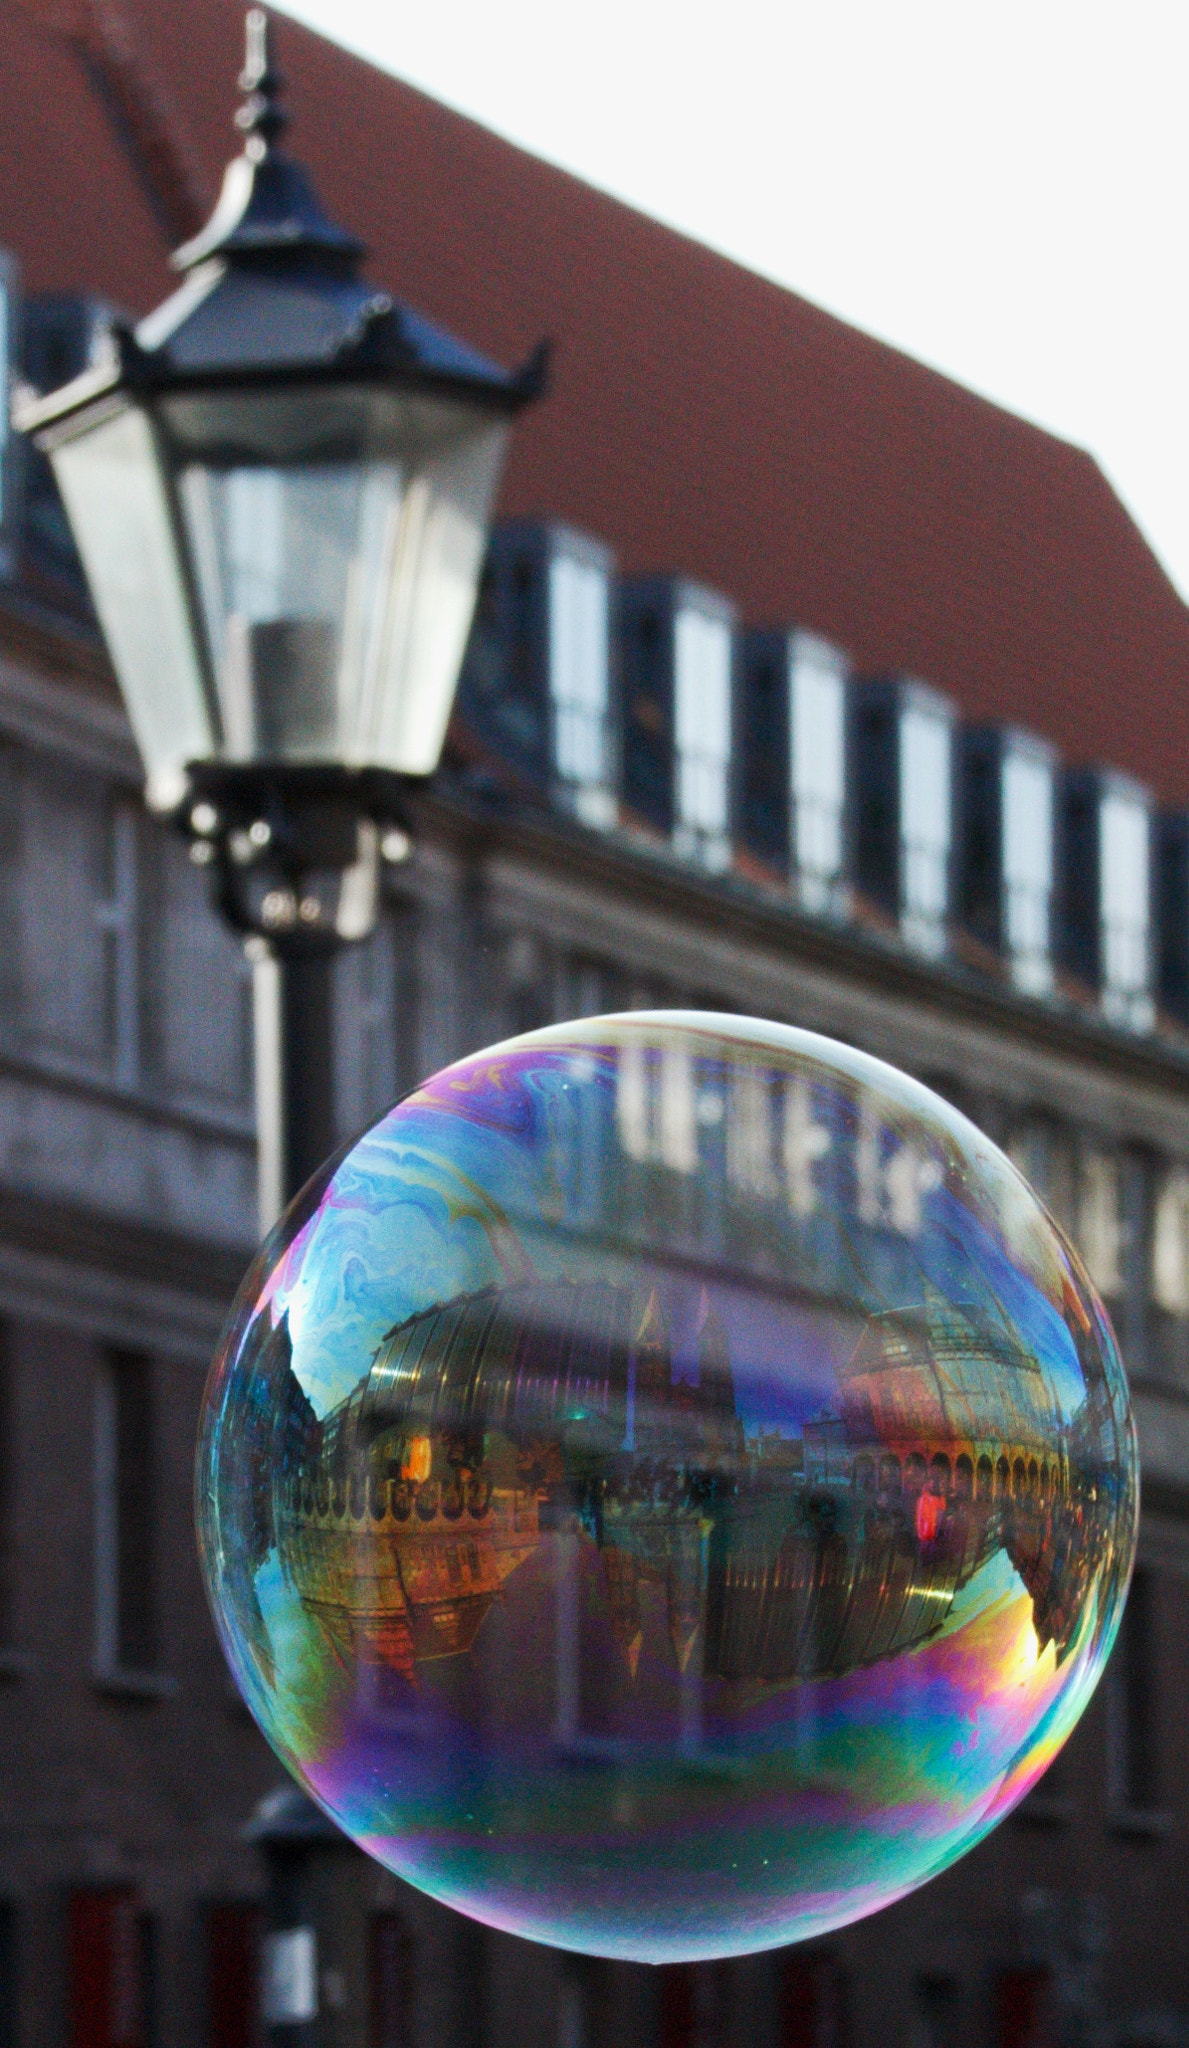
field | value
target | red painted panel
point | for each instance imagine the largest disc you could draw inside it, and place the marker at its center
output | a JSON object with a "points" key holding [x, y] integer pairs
{"points": [[106, 1968], [233, 1974], [1024, 2009]]}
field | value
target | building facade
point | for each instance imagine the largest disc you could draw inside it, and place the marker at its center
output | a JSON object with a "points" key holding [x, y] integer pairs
{"points": [[658, 792]]}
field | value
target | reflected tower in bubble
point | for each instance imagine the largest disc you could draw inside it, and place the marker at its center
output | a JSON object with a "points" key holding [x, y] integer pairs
{"points": [[669, 1489]]}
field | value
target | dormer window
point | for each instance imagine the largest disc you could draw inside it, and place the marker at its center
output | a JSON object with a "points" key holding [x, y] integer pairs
{"points": [[901, 746], [537, 676], [1006, 856], [792, 761], [1124, 826], [925, 824], [677, 643], [1172, 921], [702, 690], [1027, 854], [580, 675], [817, 767], [1107, 924]]}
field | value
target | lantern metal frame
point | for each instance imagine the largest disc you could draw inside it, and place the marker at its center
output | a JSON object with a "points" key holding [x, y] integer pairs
{"points": [[272, 304]]}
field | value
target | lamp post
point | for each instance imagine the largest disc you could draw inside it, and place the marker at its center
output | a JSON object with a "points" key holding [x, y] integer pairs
{"points": [[280, 484]]}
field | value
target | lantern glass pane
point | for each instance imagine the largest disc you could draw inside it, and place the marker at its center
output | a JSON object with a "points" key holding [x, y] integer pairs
{"points": [[116, 498], [337, 535]]}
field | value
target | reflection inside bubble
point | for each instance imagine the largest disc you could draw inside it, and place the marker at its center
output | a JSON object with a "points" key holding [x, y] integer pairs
{"points": [[671, 1490]]}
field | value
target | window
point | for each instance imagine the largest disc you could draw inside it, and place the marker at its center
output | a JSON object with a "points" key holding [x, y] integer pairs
{"points": [[1132, 1311], [1170, 1275], [762, 736], [198, 1017], [693, 2005], [702, 722], [893, 1179], [1027, 840], [811, 2001], [64, 877], [751, 1131], [1132, 1705], [390, 1989], [647, 711], [116, 914], [925, 826], [817, 735], [1170, 1242], [504, 683], [233, 1930], [1024, 2016], [108, 1969], [576, 1991], [1044, 1156], [805, 1141], [655, 1105], [579, 679], [936, 2012], [1124, 908], [1099, 1221], [125, 1620]]}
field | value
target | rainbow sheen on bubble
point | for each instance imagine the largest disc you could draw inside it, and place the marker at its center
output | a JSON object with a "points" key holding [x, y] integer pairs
{"points": [[669, 1488]]}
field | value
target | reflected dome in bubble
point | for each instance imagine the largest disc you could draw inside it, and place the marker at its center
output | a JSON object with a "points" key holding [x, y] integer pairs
{"points": [[669, 1488]]}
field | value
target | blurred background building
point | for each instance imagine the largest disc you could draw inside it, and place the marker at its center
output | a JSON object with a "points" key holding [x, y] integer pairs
{"points": [[803, 683]]}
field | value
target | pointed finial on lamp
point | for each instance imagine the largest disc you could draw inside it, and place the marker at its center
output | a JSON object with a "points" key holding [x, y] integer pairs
{"points": [[268, 209], [262, 117]]}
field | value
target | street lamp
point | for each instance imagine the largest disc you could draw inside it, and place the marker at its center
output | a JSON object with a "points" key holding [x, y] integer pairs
{"points": [[280, 484]]}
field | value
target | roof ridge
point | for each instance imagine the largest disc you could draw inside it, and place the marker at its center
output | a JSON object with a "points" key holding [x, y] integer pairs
{"points": [[147, 121]]}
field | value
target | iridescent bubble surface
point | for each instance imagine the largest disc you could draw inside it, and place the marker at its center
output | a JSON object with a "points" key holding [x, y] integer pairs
{"points": [[669, 1488]]}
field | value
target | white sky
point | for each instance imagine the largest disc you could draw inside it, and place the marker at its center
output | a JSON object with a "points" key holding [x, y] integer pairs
{"points": [[1001, 189]]}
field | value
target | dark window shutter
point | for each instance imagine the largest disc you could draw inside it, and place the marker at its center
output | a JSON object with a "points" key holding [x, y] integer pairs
{"points": [[980, 835], [646, 655], [1172, 913], [762, 748], [875, 783]]}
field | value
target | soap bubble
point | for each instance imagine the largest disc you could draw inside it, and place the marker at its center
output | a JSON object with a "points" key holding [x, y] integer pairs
{"points": [[669, 1488]]}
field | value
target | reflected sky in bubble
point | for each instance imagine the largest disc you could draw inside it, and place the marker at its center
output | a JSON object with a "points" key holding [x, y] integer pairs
{"points": [[670, 1489]]}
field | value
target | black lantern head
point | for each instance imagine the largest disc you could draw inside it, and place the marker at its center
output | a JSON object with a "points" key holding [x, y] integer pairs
{"points": [[281, 485]]}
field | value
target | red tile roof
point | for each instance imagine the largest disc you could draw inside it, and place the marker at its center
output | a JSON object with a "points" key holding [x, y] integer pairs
{"points": [[701, 419]]}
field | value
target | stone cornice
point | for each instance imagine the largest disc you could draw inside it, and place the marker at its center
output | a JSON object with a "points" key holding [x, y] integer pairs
{"points": [[653, 882]]}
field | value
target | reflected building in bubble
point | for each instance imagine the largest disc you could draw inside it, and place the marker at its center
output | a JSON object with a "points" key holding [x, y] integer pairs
{"points": [[659, 1516], [487, 1421]]}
